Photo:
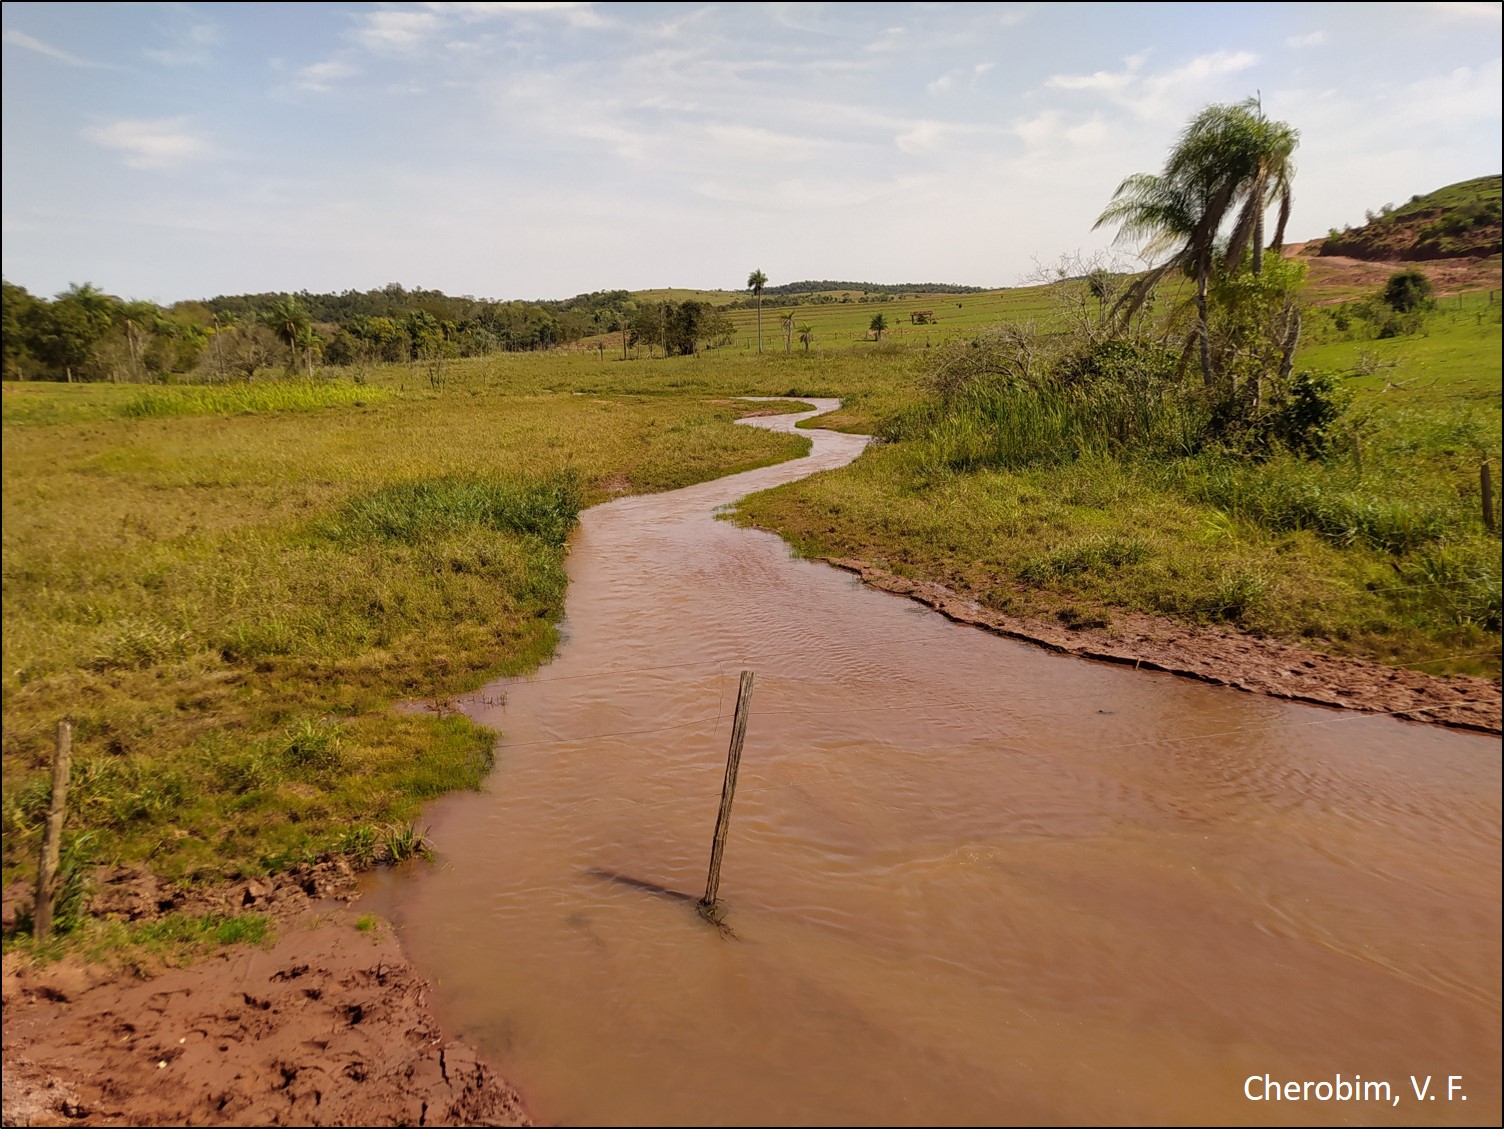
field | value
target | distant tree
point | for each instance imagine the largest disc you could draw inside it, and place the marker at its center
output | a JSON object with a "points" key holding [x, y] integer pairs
{"points": [[787, 319], [1407, 291], [806, 335], [756, 282], [20, 310], [137, 320], [69, 329], [1099, 284], [716, 327], [245, 346], [288, 319], [879, 324]]}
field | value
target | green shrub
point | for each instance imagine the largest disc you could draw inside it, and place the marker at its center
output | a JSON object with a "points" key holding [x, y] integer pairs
{"points": [[1408, 291], [1309, 411]]}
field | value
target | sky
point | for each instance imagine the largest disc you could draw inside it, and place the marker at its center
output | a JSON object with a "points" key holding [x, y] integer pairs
{"points": [[541, 150]]}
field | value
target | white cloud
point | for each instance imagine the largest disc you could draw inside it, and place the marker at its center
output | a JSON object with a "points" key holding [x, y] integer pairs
{"points": [[1097, 80], [1459, 96], [894, 39], [406, 30], [763, 145], [1050, 127], [321, 76], [804, 195], [583, 15], [1310, 39], [1092, 132], [1489, 13], [160, 143], [1036, 131], [395, 30], [1157, 94], [31, 43], [192, 46], [930, 136], [949, 80]]}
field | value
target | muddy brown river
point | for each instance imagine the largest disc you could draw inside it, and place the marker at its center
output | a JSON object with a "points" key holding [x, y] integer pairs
{"points": [[970, 882]]}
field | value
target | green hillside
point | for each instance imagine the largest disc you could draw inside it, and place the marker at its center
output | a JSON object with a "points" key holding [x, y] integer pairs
{"points": [[1459, 220]]}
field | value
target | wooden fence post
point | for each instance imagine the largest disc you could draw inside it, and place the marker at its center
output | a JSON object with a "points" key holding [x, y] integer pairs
{"points": [[52, 840], [1486, 490], [708, 907]]}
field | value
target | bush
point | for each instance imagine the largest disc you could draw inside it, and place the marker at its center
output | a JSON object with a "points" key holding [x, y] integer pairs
{"points": [[1407, 291], [1313, 404]]}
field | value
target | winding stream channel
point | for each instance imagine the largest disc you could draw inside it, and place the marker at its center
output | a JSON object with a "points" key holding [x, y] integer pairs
{"points": [[970, 882]]}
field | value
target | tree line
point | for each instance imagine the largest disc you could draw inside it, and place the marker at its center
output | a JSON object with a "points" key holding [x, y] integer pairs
{"points": [[85, 334]]}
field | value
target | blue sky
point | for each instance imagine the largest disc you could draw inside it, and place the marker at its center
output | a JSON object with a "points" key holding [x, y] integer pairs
{"points": [[171, 151]]}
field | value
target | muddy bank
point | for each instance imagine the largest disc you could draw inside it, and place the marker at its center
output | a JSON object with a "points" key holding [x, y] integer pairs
{"points": [[1225, 657], [329, 1025]]}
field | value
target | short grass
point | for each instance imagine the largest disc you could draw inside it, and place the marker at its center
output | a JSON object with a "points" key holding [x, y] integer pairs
{"points": [[227, 603], [173, 940], [1378, 553], [227, 593]]}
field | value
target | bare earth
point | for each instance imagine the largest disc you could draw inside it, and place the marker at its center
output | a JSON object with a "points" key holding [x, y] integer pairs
{"points": [[1226, 657], [327, 1026], [1336, 279]]}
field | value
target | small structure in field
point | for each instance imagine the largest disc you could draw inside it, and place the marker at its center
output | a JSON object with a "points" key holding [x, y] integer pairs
{"points": [[921, 317]]}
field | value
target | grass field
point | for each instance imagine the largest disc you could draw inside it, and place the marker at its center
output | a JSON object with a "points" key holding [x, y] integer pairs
{"points": [[227, 596], [228, 587], [1378, 553]]}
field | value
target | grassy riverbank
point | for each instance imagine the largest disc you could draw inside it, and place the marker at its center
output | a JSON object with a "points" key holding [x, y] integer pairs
{"points": [[1377, 552], [227, 589]]}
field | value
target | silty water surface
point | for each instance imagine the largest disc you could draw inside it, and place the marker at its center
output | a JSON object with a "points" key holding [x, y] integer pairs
{"points": [[970, 882]]}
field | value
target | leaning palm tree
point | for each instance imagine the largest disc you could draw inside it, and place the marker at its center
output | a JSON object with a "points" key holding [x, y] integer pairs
{"points": [[1245, 162], [757, 281], [1230, 162]]}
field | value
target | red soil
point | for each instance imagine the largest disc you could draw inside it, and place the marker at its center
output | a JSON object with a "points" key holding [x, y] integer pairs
{"points": [[327, 1026]]}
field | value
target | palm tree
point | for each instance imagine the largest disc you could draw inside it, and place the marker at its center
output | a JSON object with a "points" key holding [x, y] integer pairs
{"points": [[806, 335], [757, 281], [1230, 161], [288, 320], [878, 324], [1245, 161], [787, 319]]}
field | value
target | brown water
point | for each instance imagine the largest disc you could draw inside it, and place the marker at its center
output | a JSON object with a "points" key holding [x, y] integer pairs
{"points": [[970, 882]]}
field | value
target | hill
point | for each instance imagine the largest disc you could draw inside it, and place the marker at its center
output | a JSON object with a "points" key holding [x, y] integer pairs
{"points": [[816, 286], [1461, 220]]}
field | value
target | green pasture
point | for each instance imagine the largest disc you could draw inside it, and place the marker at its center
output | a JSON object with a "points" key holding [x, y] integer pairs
{"points": [[229, 587], [227, 597]]}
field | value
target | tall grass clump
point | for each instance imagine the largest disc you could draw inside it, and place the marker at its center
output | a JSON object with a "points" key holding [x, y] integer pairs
{"points": [[1012, 427], [1290, 494], [419, 511], [258, 397]]}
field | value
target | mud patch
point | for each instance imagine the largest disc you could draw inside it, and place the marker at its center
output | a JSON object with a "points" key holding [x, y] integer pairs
{"points": [[328, 1026]]}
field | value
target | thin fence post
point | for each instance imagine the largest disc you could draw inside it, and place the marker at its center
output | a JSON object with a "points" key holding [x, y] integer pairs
{"points": [[1486, 490], [52, 840], [708, 907]]}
